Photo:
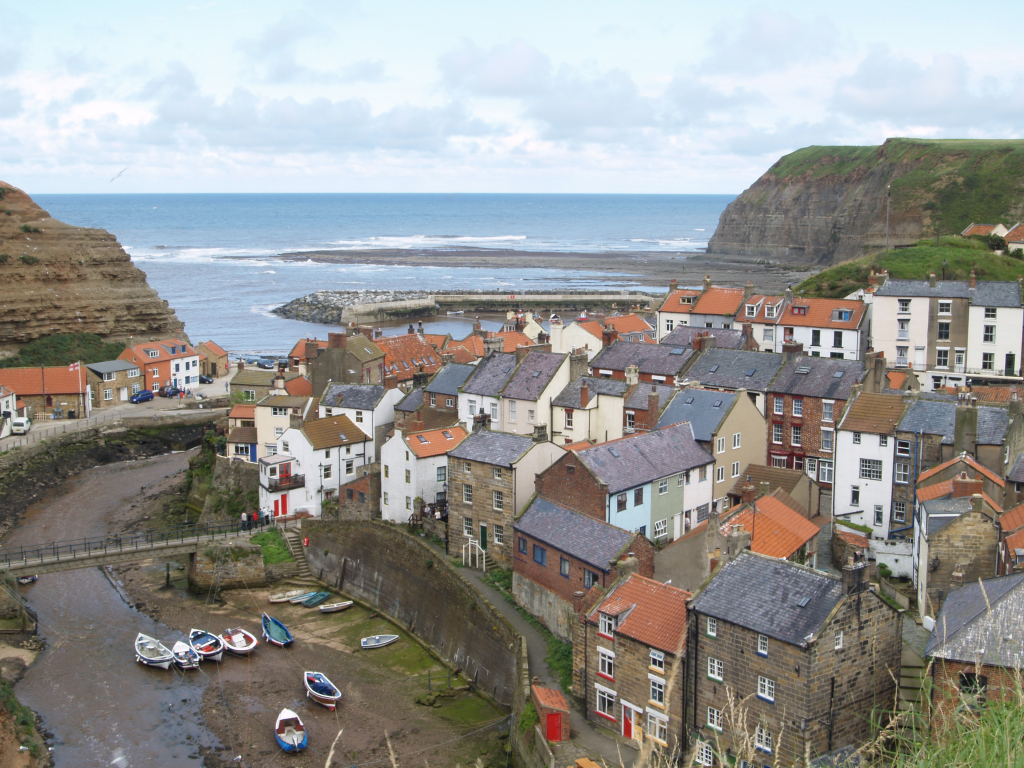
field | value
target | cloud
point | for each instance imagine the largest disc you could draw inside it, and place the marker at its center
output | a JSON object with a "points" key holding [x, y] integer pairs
{"points": [[275, 53], [768, 40], [365, 71], [516, 69], [10, 103]]}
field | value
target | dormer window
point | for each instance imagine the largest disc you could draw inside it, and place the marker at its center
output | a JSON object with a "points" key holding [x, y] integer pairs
{"points": [[152, 353], [842, 315], [769, 310], [799, 310], [607, 625], [751, 310]]}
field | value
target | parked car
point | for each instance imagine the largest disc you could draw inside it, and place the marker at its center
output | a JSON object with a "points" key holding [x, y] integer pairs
{"points": [[170, 392], [204, 379], [251, 360], [265, 363], [20, 425], [141, 396]]}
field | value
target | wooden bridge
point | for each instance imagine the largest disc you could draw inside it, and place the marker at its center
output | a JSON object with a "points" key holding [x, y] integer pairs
{"points": [[71, 555]]}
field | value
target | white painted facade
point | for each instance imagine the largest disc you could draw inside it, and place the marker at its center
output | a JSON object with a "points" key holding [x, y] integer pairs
{"points": [[8, 410], [995, 331], [568, 338], [530, 464], [470, 405], [821, 342], [185, 372], [368, 420], [899, 330], [521, 417], [857, 496], [426, 478], [601, 420]]}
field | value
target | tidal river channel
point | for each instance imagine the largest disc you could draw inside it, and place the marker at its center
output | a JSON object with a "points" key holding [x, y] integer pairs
{"points": [[102, 706]]}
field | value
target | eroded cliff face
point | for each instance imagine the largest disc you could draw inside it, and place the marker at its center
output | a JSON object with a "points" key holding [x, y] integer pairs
{"points": [[56, 278]]}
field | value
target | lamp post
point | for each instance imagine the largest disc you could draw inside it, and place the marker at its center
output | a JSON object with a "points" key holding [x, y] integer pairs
{"points": [[888, 197]]}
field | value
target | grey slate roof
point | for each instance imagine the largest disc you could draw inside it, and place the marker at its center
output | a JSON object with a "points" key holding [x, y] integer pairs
{"points": [[697, 406], [1017, 473], [649, 456], [988, 293], [819, 377], [362, 396], [574, 534], [570, 396], [938, 417], [499, 448], [491, 375], [653, 359], [941, 512], [533, 374], [966, 630], [110, 366], [733, 367], [992, 425], [725, 338], [448, 380], [638, 398], [411, 402], [762, 594]]}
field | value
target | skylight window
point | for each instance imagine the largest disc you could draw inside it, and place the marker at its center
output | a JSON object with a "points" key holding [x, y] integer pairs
{"points": [[422, 438], [717, 404], [677, 351], [614, 453], [803, 601], [536, 374], [837, 375], [447, 435], [713, 369], [803, 370], [689, 401], [751, 372]]}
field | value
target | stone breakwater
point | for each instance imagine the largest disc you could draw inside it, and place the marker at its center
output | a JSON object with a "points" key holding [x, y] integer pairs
{"points": [[335, 307]]}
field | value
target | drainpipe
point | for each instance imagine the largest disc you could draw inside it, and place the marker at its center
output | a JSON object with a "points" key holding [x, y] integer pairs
{"points": [[831, 700], [696, 660], [917, 465]]}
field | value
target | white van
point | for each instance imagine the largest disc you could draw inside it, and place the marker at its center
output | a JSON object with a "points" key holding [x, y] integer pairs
{"points": [[20, 425]]}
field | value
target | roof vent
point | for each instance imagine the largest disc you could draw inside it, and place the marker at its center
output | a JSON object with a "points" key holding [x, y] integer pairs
{"points": [[837, 375], [803, 370], [507, 369], [751, 372], [713, 369], [803, 601], [614, 453]]}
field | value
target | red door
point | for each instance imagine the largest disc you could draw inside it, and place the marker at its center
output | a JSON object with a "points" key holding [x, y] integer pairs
{"points": [[277, 508], [554, 732], [284, 505], [627, 723]]}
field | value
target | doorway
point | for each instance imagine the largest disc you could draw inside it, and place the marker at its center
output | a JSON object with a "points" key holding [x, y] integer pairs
{"points": [[483, 535], [631, 723]]}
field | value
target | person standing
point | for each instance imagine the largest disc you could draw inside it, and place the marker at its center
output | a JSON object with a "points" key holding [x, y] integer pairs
{"points": [[245, 519]]}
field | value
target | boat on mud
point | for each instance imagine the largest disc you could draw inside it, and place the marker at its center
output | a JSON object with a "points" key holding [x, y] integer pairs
{"points": [[275, 632], [321, 690], [290, 732], [284, 597], [184, 656], [335, 607], [206, 644], [152, 653], [239, 641], [377, 641]]}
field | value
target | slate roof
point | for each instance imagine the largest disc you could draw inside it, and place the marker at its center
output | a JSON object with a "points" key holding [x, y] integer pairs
{"points": [[939, 418], [683, 336], [577, 535], [242, 435], [762, 594], [110, 366], [654, 359], [731, 367], [533, 375], [570, 396], [638, 398], [697, 406], [412, 401], [818, 377], [491, 375], [448, 380], [776, 477], [966, 630], [941, 512], [987, 293], [331, 431], [636, 460], [363, 397], [1017, 473], [874, 413], [435, 442], [498, 448], [655, 612]]}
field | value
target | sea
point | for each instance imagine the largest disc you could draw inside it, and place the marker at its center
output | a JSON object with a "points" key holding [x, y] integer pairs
{"points": [[214, 257]]}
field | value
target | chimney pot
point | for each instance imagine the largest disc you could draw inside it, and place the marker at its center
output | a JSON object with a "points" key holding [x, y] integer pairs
{"points": [[584, 394], [707, 282], [932, 281], [766, 487], [854, 580]]}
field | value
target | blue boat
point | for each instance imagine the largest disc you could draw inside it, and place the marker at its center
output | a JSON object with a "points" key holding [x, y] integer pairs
{"points": [[290, 732], [316, 599], [275, 632]]}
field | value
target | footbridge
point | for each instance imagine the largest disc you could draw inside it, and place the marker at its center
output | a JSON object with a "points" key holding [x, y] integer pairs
{"points": [[71, 555]]}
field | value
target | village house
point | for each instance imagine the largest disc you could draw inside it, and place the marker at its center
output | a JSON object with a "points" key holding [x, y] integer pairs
{"points": [[440, 402], [652, 483], [275, 414], [676, 309], [415, 466], [629, 662], [525, 323], [326, 451], [406, 355], [371, 407], [1011, 541], [253, 384], [728, 426], [347, 359], [833, 328], [213, 359], [112, 382], [732, 369], [983, 230], [490, 481], [526, 398], [580, 336], [812, 657], [481, 392], [645, 403], [242, 443], [303, 353], [631, 327], [559, 553], [169, 363], [58, 392], [717, 307], [599, 410], [761, 313], [802, 488], [974, 649], [8, 410], [689, 337], [655, 363], [242, 416]]}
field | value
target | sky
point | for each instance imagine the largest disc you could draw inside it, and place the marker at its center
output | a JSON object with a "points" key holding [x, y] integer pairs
{"points": [[565, 96]]}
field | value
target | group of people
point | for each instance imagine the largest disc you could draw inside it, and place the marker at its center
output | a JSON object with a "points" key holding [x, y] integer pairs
{"points": [[252, 520]]}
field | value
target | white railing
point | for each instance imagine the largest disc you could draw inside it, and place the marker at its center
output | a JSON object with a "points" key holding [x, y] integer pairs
{"points": [[474, 555], [901, 362], [902, 335]]}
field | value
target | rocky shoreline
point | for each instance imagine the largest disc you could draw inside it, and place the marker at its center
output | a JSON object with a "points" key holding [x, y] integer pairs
{"points": [[327, 307]]}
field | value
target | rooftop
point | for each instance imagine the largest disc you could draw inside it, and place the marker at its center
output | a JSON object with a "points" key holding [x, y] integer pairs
{"points": [[570, 397], [435, 442], [818, 377], [639, 397], [332, 431], [652, 359], [969, 461], [835, 314], [169, 349], [574, 534], [300, 386], [448, 380], [987, 293], [649, 612], [411, 402], [242, 412], [628, 324], [498, 448], [110, 366], [491, 375], [874, 413], [214, 347], [776, 529], [406, 354], [680, 301], [364, 397], [703, 408], [56, 380], [533, 375], [257, 377], [735, 369], [245, 435], [776, 477], [719, 301], [683, 336], [934, 417], [980, 623]]}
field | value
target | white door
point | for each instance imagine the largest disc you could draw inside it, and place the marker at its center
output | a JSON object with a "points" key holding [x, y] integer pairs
{"points": [[958, 361], [124, 393], [919, 358]]}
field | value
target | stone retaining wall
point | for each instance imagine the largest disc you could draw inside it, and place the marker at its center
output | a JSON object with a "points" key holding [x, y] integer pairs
{"points": [[226, 566]]}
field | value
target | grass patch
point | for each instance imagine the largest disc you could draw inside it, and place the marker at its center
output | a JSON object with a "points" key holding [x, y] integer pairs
{"points": [[275, 548], [529, 719], [855, 526], [63, 349], [467, 709], [24, 719]]}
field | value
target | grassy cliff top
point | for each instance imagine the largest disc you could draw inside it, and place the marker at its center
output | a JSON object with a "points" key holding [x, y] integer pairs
{"points": [[960, 255]]}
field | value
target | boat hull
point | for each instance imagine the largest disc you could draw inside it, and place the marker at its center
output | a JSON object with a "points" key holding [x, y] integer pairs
{"points": [[328, 700], [289, 747], [290, 732], [166, 664], [335, 607], [301, 598], [377, 641], [250, 643], [207, 650], [284, 597], [282, 638]]}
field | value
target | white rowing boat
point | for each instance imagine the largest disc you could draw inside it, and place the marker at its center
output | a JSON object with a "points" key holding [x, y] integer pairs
{"points": [[335, 607]]}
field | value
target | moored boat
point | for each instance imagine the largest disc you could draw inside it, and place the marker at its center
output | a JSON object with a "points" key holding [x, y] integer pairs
{"points": [[301, 598], [275, 632], [206, 644], [335, 607], [27, 579], [457, 312], [321, 690], [284, 597], [238, 641], [377, 641], [316, 599], [151, 652], [184, 656], [290, 732]]}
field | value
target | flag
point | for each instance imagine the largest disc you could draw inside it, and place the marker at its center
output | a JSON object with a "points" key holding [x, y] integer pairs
{"points": [[73, 367]]}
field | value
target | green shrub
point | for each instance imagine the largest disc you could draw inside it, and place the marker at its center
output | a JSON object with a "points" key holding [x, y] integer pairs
{"points": [[529, 719], [63, 349], [884, 571], [4, 258], [27, 259], [30, 228]]}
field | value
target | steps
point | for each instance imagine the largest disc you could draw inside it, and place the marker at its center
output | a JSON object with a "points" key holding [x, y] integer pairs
{"points": [[488, 562], [294, 539], [912, 690]]}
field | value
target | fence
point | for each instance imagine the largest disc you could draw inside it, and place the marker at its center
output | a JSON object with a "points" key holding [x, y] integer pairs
{"points": [[46, 428]]}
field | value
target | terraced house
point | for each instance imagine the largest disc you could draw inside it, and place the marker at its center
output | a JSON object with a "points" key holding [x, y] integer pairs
{"points": [[655, 363], [371, 407], [730, 370], [481, 392]]}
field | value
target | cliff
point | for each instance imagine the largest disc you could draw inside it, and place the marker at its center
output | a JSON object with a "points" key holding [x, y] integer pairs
{"points": [[822, 205], [56, 278]]}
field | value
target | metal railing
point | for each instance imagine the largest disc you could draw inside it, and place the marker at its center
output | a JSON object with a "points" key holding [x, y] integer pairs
{"points": [[275, 484], [474, 555], [140, 541]]}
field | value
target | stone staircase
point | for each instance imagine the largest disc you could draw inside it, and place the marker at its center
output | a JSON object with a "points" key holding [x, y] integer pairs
{"points": [[489, 563], [912, 693], [294, 539]]}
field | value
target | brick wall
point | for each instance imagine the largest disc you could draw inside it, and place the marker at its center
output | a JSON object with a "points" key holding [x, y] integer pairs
{"points": [[569, 483], [810, 424], [1002, 686], [481, 477], [972, 541]]}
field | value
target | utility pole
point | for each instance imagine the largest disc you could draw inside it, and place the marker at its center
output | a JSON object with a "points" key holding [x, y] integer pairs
{"points": [[888, 197]]}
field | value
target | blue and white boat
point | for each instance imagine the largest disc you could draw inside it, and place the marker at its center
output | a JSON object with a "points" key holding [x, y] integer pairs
{"points": [[206, 644], [290, 732], [275, 632], [184, 656]]}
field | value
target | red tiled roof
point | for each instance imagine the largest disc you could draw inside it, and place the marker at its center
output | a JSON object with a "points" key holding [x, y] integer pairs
{"points": [[1015, 234], [936, 491], [217, 349], [550, 698], [57, 380], [719, 301], [760, 317], [243, 412], [628, 324], [979, 229], [778, 531], [896, 379], [404, 355], [819, 313], [1016, 541], [141, 351], [461, 354], [1013, 519], [967, 460], [513, 339], [853, 538], [473, 343], [436, 340], [299, 350], [658, 618], [435, 442], [673, 302], [300, 386], [593, 327]]}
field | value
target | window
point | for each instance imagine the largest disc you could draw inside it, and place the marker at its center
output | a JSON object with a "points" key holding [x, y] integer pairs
{"points": [[797, 438], [973, 688], [798, 406], [720, 474], [712, 627], [762, 645], [134, 373], [620, 502], [780, 462], [278, 431], [496, 473], [408, 476], [386, 502], [988, 361], [467, 526], [472, 407], [387, 471], [284, 447], [657, 691], [735, 469], [630, 420], [136, 388], [904, 305], [408, 502], [108, 376], [878, 514], [721, 445], [108, 394], [498, 502], [606, 702], [660, 528], [990, 313], [763, 739], [606, 663], [590, 579], [530, 416], [449, 402], [662, 487], [703, 474], [522, 545], [540, 555], [272, 450], [715, 669], [902, 447], [511, 410], [765, 689], [442, 474], [494, 411], [736, 441], [945, 307], [683, 478], [779, 404], [327, 471], [563, 566], [942, 358], [899, 511], [989, 337], [837, 339], [855, 496], [249, 394], [870, 469], [467, 493], [657, 728], [704, 755], [856, 438], [777, 434], [826, 440], [943, 334], [825, 471], [568, 418], [769, 334], [607, 624], [815, 338], [839, 639], [902, 472], [466, 467], [669, 324], [241, 449], [827, 408], [657, 660], [883, 441], [638, 497]]}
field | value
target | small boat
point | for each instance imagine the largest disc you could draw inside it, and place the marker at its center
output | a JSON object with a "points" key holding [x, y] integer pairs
{"points": [[238, 641], [275, 632], [151, 652], [301, 598], [284, 597], [184, 656], [321, 690], [290, 732], [316, 599], [378, 641], [457, 312], [206, 644], [27, 579], [335, 607]]}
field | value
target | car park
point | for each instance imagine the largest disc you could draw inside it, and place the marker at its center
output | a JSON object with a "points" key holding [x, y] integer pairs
{"points": [[141, 396]]}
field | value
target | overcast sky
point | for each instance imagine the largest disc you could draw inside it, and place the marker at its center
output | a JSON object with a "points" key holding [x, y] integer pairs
{"points": [[551, 96]]}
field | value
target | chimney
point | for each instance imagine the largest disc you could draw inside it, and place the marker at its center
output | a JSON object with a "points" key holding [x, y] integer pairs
{"points": [[873, 279], [420, 378], [632, 375], [578, 364], [791, 350], [584, 393], [765, 488], [410, 330], [737, 540], [1015, 406], [749, 343], [976, 502], [368, 331], [493, 344], [956, 578], [241, 364], [883, 277], [390, 381], [419, 327], [543, 338], [932, 281], [608, 337], [878, 372], [964, 486], [336, 340], [277, 387], [749, 492], [854, 577], [540, 433], [521, 353], [748, 290], [697, 342], [295, 420], [652, 406], [707, 282], [481, 421], [788, 295], [974, 280], [447, 358], [673, 285], [478, 329], [628, 565], [965, 430]]}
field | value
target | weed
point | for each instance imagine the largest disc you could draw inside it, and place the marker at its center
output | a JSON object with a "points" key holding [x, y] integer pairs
{"points": [[30, 228], [529, 719], [275, 548], [4, 258], [27, 259]]}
